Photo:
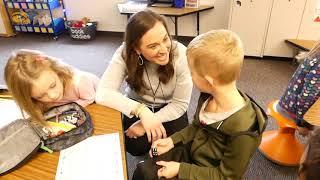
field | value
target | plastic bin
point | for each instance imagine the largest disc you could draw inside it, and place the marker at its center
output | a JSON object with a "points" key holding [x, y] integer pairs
{"points": [[82, 33]]}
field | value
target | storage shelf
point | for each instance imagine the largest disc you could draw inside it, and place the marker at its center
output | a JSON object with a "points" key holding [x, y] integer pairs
{"points": [[33, 9], [46, 5], [56, 28]]}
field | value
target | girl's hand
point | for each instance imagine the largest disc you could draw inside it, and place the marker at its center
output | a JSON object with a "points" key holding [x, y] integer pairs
{"points": [[135, 130], [168, 169], [152, 125], [162, 146]]}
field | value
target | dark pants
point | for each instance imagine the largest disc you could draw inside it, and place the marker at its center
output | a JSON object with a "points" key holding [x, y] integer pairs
{"points": [[140, 145], [147, 170]]}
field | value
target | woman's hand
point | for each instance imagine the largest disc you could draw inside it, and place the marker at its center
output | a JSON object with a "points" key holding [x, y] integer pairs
{"points": [[169, 169], [162, 146], [152, 125], [135, 130]]}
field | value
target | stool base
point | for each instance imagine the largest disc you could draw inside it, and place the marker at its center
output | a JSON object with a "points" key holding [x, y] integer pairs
{"points": [[281, 147]]}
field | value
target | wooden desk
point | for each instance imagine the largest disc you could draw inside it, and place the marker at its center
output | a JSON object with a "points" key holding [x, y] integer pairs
{"points": [[313, 114], [306, 45], [176, 13], [43, 166]]}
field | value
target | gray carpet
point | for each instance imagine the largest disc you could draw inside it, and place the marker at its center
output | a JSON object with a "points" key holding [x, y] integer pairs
{"points": [[263, 79]]}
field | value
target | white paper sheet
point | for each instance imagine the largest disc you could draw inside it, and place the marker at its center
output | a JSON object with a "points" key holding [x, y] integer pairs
{"points": [[132, 7], [9, 112], [3, 86], [97, 157]]}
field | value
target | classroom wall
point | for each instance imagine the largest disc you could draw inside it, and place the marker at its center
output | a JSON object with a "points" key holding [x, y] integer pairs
{"points": [[308, 28], [109, 19]]}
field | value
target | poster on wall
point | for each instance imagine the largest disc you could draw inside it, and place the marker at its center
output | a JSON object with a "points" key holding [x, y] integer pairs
{"points": [[191, 3], [317, 13]]}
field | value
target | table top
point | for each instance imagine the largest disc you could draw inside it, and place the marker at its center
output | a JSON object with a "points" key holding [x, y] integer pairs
{"points": [[303, 44], [313, 114], [171, 11], [43, 166]]}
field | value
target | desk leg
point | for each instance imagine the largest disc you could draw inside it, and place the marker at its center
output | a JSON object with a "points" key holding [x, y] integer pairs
{"points": [[198, 19], [176, 27]]}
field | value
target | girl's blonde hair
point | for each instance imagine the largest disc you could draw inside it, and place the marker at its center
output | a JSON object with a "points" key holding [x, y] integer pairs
{"points": [[25, 66]]}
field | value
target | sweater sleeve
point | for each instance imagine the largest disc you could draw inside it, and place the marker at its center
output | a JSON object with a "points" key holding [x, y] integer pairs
{"points": [[108, 92], [232, 166], [182, 92], [87, 88], [186, 135]]}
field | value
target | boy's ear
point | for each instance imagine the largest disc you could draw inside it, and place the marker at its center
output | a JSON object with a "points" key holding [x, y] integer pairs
{"points": [[209, 79]]}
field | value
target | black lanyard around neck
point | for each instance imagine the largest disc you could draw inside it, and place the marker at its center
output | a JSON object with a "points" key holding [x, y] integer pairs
{"points": [[154, 92]]}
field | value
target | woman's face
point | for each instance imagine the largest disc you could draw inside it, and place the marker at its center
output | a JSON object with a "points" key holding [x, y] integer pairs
{"points": [[155, 45]]}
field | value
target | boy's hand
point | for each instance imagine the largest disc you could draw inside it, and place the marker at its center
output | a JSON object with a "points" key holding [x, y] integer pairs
{"points": [[162, 146], [168, 169], [135, 130]]}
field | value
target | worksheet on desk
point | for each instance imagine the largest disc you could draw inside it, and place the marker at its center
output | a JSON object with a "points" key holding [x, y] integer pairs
{"points": [[9, 111], [97, 157]]}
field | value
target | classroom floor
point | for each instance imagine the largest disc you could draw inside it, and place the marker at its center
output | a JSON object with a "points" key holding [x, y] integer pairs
{"points": [[263, 79]]}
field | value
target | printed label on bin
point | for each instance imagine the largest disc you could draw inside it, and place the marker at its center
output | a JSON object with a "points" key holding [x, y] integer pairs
{"points": [[24, 6], [79, 34], [44, 30], [31, 5], [38, 6], [36, 29], [17, 28], [10, 5], [16, 5], [45, 6], [24, 29], [50, 30], [77, 31], [30, 29]]}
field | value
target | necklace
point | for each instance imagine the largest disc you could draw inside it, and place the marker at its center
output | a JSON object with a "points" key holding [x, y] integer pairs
{"points": [[154, 92]]}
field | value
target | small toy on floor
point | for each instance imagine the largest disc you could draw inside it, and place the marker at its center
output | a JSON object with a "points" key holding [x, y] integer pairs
{"points": [[299, 58], [82, 23]]}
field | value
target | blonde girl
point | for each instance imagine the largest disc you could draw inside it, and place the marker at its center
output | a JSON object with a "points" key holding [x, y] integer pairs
{"points": [[38, 81]]}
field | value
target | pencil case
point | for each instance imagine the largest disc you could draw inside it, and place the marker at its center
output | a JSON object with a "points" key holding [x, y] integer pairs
{"points": [[21, 140]]}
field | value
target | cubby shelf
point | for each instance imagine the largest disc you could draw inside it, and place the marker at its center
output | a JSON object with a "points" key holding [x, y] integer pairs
{"points": [[57, 25], [45, 5]]}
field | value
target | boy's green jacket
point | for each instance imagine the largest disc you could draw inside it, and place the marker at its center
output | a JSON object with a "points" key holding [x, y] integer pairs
{"points": [[226, 152]]}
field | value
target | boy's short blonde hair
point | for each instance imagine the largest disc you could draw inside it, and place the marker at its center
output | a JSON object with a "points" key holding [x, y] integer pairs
{"points": [[217, 53]]}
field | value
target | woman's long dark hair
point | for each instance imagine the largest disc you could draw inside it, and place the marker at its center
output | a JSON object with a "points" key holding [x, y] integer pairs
{"points": [[137, 26]]}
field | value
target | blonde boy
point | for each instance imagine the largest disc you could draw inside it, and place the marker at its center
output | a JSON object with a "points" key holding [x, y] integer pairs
{"points": [[227, 125]]}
